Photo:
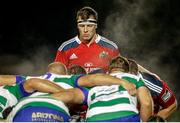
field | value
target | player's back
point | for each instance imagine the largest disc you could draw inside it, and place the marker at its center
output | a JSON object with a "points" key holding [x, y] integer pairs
{"points": [[38, 109], [107, 103]]}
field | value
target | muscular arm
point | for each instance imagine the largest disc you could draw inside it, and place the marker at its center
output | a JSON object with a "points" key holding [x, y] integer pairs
{"points": [[146, 103], [104, 79], [68, 96], [7, 80], [165, 113], [142, 69], [41, 85]]}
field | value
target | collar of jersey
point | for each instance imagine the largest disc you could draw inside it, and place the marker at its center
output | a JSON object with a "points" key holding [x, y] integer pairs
{"points": [[97, 39]]}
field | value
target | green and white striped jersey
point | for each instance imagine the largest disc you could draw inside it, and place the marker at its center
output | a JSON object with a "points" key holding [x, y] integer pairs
{"points": [[40, 101], [10, 95], [65, 81], [111, 102]]}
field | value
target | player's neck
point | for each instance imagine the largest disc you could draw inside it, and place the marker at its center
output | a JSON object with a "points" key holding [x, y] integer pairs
{"points": [[89, 42], [117, 70]]}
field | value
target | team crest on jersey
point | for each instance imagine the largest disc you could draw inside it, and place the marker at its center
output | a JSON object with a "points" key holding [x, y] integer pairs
{"points": [[103, 54], [166, 96]]}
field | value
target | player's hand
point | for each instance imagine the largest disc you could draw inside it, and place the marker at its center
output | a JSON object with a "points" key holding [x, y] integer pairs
{"points": [[130, 87], [156, 118]]}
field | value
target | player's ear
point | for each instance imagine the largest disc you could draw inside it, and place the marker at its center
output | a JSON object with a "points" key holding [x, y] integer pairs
{"points": [[96, 26]]}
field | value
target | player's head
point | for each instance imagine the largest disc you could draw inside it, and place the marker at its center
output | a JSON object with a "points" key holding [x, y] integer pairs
{"points": [[87, 19], [85, 14], [57, 68], [120, 64], [76, 70], [133, 67]]}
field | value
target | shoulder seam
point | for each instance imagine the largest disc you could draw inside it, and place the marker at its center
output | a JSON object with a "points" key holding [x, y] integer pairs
{"points": [[66, 43], [152, 86], [109, 42]]}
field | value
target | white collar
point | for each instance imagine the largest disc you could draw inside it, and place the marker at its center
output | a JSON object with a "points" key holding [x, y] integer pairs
{"points": [[98, 37]]}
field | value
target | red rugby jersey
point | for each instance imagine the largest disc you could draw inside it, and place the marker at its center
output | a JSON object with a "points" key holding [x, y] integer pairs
{"points": [[92, 57], [162, 95]]}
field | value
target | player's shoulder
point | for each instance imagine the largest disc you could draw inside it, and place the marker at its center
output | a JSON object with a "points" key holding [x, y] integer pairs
{"points": [[106, 42], [151, 78], [153, 83], [71, 43]]}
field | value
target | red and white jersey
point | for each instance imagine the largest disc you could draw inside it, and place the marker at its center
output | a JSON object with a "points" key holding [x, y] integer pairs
{"points": [[93, 57], [162, 95]]}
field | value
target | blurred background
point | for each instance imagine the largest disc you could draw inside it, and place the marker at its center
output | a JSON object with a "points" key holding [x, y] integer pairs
{"points": [[145, 30]]}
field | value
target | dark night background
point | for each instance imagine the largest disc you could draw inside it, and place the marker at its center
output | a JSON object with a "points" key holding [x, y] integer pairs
{"points": [[146, 30]]}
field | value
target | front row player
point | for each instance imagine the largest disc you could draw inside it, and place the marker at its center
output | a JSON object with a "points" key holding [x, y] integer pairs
{"points": [[112, 103], [163, 97]]}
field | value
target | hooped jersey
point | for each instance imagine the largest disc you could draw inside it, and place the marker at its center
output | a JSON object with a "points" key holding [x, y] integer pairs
{"points": [[45, 101], [93, 57], [65, 81], [10, 95], [112, 102]]}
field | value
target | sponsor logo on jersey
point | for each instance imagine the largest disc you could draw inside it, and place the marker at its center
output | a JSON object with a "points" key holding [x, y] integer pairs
{"points": [[103, 54], [88, 64], [166, 96], [43, 116], [73, 56]]}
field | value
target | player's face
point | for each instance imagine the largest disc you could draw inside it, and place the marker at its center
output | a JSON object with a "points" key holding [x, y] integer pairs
{"points": [[117, 65], [87, 31]]}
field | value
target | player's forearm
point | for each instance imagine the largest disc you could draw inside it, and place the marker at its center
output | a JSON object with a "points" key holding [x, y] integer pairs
{"points": [[41, 85], [145, 112], [64, 96], [99, 79], [142, 69], [146, 103], [104, 79], [69, 96], [165, 113], [7, 80]]}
